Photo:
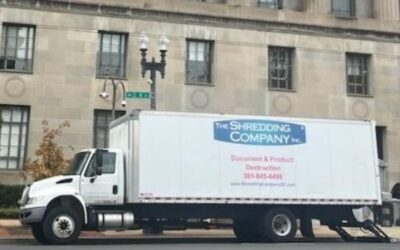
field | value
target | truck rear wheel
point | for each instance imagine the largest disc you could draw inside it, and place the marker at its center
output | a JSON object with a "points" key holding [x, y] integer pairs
{"points": [[62, 226], [306, 228], [246, 230], [278, 225], [37, 232]]}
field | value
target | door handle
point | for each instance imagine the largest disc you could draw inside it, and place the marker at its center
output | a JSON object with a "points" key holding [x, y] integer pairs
{"points": [[115, 189]]}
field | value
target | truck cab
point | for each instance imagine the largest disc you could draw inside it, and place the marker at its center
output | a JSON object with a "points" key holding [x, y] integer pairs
{"points": [[57, 206]]}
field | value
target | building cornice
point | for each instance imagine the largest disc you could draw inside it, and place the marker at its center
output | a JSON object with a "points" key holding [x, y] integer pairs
{"points": [[218, 15]]}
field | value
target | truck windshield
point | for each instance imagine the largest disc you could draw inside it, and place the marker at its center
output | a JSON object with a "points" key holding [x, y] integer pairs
{"points": [[78, 163]]}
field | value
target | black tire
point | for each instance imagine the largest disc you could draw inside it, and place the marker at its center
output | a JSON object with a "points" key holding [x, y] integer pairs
{"points": [[306, 228], [246, 230], [278, 225], [396, 191], [62, 226], [37, 232]]}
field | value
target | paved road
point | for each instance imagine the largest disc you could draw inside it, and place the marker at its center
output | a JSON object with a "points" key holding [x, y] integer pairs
{"points": [[196, 244]]}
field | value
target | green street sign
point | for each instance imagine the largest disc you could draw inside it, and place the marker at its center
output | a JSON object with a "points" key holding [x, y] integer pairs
{"points": [[138, 95]]}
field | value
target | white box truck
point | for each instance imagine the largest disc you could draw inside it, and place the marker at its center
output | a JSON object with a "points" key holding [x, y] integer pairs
{"points": [[179, 170]]}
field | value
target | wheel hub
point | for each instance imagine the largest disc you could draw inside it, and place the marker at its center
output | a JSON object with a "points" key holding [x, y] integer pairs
{"points": [[63, 226], [281, 225]]}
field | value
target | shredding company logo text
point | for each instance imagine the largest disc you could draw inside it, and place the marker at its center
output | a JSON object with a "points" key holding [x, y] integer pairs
{"points": [[259, 132]]}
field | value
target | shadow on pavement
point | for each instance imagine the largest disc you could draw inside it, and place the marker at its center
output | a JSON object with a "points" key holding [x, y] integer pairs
{"points": [[153, 241]]}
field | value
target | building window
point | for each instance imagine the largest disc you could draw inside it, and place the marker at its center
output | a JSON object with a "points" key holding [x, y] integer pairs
{"points": [[357, 74], [270, 4], [111, 54], [13, 136], [198, 62], [280, 68], [17, 47], [102, 120], [343, 8], [381, 135]]}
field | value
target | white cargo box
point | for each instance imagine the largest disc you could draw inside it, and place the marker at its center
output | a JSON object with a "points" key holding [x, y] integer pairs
{"points": [[212, 158]]}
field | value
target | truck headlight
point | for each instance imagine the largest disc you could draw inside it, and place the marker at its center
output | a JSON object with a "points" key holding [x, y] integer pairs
{"points": [[33, 200], [25, 195]]}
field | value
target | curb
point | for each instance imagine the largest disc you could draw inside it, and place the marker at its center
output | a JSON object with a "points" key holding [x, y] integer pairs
{"points": [[4, 232]]}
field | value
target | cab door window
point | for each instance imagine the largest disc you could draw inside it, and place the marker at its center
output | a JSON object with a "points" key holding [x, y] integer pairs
{"points": [[108, 165]]}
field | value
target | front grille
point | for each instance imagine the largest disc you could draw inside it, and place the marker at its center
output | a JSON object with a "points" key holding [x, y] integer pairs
{"points": [[24, 215]]}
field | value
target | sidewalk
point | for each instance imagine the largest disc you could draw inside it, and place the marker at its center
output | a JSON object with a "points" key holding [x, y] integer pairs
{"points": [[12, 229]]}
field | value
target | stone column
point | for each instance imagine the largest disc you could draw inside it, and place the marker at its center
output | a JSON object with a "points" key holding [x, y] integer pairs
{"points": [[318, 6], [387, 10]]}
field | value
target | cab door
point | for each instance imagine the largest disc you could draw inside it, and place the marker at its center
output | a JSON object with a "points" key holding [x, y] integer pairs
{"points": [[102, 189]]}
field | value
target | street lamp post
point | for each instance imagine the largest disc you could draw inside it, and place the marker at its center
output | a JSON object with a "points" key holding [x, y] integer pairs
{"points": [[153, 66], [115, 85]]}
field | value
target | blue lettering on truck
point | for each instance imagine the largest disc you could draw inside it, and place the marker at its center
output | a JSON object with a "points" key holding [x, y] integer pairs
{"points": [[259, 132]]}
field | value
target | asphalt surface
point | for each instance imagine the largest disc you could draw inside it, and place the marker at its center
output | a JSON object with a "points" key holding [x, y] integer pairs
{"points": [[196, 244]]}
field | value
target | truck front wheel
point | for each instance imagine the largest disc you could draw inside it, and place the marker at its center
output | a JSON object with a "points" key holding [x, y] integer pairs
{"points": [[37, 232], [62, 226], [278, 225]]}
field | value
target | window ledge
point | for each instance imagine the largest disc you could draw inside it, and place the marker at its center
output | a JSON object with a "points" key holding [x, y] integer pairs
{"points": [[16, 71], [268, 8], [360, 96], [344, 17], [123, 78], [282, 90], [200, 84], [11, 171]]}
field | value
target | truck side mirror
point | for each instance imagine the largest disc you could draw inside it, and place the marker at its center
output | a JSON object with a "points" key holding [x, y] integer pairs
{"points": [[99, 158], [99, 170]]}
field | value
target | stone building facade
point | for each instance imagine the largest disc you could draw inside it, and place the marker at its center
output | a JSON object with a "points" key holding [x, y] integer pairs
{"points": [[304, 58]]}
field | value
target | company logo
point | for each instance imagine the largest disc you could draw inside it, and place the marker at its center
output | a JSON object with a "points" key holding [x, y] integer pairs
{"points": [[259, 132]]}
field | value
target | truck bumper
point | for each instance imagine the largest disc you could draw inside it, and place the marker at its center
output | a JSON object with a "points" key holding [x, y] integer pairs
{"points": [[31, 215]]}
